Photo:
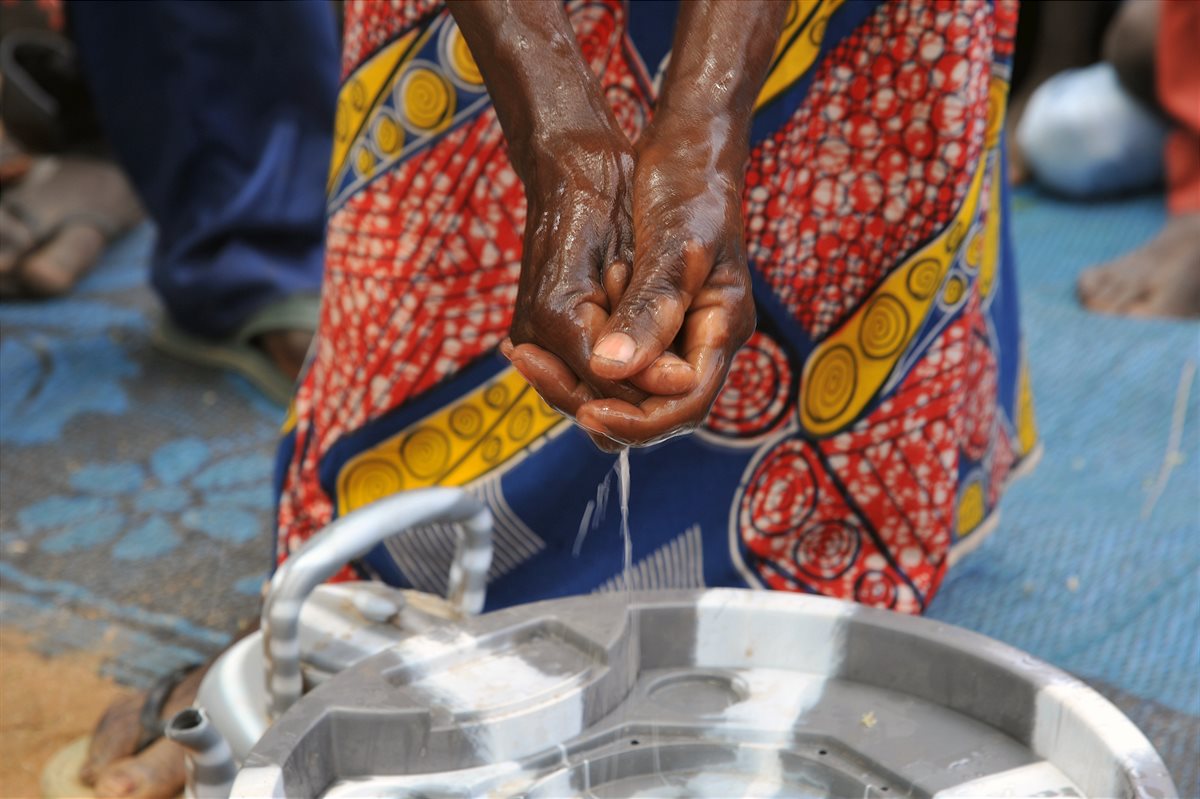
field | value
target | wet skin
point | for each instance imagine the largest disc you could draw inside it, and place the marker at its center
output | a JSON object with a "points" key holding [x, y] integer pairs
{"points": [[634, 291]]}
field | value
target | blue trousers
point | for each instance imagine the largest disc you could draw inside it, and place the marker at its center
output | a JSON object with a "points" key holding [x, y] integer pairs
{"points": [[222, 115]]}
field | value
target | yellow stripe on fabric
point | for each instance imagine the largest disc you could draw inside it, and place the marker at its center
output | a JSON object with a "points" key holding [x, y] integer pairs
{"points": [[363, 90], [289, 419], [846, 370], [476, 434], [990, 255], [1026, 422], [798, 46]]}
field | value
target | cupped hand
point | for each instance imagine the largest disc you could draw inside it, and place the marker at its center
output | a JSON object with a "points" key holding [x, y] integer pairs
{"points": [[576, 264], [687, 306], [689, 291]]}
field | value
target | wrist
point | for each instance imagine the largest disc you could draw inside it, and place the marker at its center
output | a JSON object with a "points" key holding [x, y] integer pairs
{"points": [[565, 134], [542, 89], [711, 141]]}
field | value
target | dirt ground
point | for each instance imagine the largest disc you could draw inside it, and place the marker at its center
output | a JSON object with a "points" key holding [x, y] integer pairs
{"points": [[44, 705]]}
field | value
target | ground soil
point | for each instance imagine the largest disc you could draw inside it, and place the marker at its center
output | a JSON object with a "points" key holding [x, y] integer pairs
{"points": [[44, 705]]}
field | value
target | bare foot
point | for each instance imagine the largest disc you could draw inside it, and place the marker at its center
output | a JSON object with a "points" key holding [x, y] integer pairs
{"points": [[1161, 278], [287, 349], [55, 224], [157, 772]]}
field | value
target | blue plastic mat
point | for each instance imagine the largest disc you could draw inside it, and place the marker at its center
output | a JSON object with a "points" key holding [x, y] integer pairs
{"points": [[1084, 570], [134, 491]]}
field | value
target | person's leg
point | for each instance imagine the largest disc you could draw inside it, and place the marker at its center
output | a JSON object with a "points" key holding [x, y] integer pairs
{"points": [[1129, 45], [1162, 278], [222, 115], [1068, 35], [63, 197], [57, 220]]}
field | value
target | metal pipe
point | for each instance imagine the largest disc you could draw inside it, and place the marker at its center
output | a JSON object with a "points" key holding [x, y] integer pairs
{"points": [[211, 768], [351, 537]]}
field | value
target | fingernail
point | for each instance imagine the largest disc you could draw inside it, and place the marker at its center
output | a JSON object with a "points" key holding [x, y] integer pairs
{"points": [[586, 419], [616, 347]]}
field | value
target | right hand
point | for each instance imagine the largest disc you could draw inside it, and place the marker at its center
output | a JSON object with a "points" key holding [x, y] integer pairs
{"points": [[576, 264]]}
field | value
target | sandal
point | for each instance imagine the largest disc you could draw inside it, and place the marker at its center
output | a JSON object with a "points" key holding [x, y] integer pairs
{"points": [[239, 353], [60, 775]]}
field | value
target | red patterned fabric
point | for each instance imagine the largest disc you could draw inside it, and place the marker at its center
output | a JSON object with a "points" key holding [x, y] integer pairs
{"points": [[875, 160]]}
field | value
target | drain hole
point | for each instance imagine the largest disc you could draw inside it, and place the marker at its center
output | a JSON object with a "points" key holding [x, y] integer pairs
{"points": [[635, 742], [822, 752]]}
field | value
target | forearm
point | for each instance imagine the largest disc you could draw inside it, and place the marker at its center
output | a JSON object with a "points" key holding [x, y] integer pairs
{"points": [[720, 57], [538, 80]]}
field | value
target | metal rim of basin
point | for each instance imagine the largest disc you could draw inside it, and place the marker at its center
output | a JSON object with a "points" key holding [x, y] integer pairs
{"points": [[705, 693]]}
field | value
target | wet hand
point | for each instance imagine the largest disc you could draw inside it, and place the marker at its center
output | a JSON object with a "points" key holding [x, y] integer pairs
{"points": [[575, 268], [689, 292]]}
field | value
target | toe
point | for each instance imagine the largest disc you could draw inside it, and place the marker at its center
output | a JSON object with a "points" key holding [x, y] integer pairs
{"points": [[55, 268], [1089, 284], [155, 773], [116, 736], [1110, 288]]}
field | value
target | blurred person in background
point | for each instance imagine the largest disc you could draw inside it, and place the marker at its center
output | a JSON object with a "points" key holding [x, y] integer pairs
{"points": [[219, 114], [64, 198], [1111, 105]]}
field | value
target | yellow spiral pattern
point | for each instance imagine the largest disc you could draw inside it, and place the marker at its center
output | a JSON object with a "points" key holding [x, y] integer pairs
{"points": [[426, 452], [923, 277], [491, 449], [997, 103], [341, 123], [954, 240], [885, 327], [496, 395], [971, 508], [793, 14], [388, 136], [361, 93], [831, 383], [427, 99], [466, 421], [485, 429], [873, 339], [520, 422], [974, 251], [357, 95], [990, 257], [462, 61], [371, 479], [364, 162], [955, 288]]}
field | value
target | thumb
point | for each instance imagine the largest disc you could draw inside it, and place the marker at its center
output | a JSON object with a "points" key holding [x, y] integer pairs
{"points": [[650, 313]]}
